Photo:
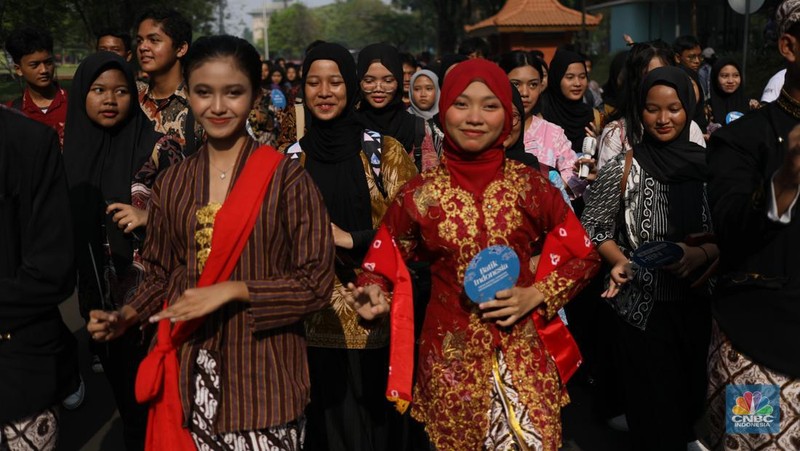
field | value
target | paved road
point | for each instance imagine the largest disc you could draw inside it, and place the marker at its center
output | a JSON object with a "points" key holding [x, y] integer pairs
{"points": [[97, 426]]}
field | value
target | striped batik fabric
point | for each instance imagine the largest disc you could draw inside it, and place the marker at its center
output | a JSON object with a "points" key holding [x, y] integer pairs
{"points": [[288, 267]]}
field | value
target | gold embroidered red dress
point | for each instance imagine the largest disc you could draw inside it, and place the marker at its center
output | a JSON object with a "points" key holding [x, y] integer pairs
{"points": [[460, 356]]}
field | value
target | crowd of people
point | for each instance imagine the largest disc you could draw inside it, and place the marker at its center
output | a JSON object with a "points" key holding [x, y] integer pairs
{"points": [[271, 255]]}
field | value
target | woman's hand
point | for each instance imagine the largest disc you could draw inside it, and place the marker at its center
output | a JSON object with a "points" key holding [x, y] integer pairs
{"points": [[199, 302], [341, 238], [511, 305], [621, 273], [591, 130], [127, 217], [693, 258], [754, 104], [591, 162], [107, 326], [369, 302]]}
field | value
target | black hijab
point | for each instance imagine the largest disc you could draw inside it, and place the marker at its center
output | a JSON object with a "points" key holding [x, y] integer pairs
{"points": [[516, 151], [723, 103], [101, 162], [571, 115], [392, 119], [333, 149], [679, 163]]}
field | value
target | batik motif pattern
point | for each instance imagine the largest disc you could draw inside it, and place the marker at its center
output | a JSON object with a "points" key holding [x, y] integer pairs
{"points": [[288, 437], [510, 426], [726, 366], [36, 433]]}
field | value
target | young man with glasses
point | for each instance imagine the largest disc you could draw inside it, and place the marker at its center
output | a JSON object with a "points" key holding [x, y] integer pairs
{"points": [[688, 52]]}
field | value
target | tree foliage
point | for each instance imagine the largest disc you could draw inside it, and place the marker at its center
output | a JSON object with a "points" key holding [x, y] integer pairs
{"points": [[444, 20], [352, 23], [74, 23], [291, 30]]}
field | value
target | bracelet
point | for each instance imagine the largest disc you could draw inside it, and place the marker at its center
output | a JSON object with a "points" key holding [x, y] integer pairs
{"points": [[706, 253]]}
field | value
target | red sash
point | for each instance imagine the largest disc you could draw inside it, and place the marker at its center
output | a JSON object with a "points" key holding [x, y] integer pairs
{"points": [[562, 244], [384, 258], [157, 379]]}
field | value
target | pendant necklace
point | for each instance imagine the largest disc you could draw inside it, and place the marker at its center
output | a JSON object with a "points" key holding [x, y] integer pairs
{"points": [[222, 174]]}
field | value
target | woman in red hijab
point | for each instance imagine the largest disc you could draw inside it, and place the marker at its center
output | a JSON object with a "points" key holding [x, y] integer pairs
{"points": [[483, 364]]}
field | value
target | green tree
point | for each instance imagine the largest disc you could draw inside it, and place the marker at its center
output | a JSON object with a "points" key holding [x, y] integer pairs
{"points": [[291, 29], [357, 23], [76, 22], [444, 20]]}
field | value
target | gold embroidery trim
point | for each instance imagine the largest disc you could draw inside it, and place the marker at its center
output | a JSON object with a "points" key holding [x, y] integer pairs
{"points": [[205, 219]]}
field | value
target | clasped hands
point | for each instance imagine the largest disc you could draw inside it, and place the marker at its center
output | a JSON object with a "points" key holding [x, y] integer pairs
{"points": [[508, 307]]}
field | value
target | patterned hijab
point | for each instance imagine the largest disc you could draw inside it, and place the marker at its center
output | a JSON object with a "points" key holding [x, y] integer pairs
{"points": [[474, 171]]}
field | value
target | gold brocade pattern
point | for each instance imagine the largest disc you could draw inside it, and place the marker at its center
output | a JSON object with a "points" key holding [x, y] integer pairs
{"points": [[457, 349], [500, 216], [339, 326], [205, 219], [555, 289], [459, 382]]}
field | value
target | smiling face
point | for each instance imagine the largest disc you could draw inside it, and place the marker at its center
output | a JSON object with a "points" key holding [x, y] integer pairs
{"points": [[38, 69], [729, 79], [221, 97], [475, 120], [424, 93], [155, 49], [664, 116], [379, 85], [108, 102], [528, 82], [325, 90], [574, 84]]}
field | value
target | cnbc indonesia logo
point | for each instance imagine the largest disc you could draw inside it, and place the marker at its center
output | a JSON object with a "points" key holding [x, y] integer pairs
{"points": [[751, 411]]}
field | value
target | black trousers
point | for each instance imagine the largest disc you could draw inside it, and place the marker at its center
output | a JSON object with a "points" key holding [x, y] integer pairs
{"points": [[664, 373], [120, 359], [348, 409]]}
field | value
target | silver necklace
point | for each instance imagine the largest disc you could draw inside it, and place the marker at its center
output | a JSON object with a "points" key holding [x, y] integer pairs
{"points": [[222, 174]]}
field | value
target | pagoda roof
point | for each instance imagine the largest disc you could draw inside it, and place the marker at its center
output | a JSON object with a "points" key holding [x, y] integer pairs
{"points": [[533, 16]]}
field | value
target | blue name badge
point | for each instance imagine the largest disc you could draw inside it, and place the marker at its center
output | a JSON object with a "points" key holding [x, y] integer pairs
{"points": [[494, 269], [732, 116], [655, 254], [278, 99]]}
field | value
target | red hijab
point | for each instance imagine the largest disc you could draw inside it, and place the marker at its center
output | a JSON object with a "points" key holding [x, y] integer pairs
{"points": [[473, 171]]}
